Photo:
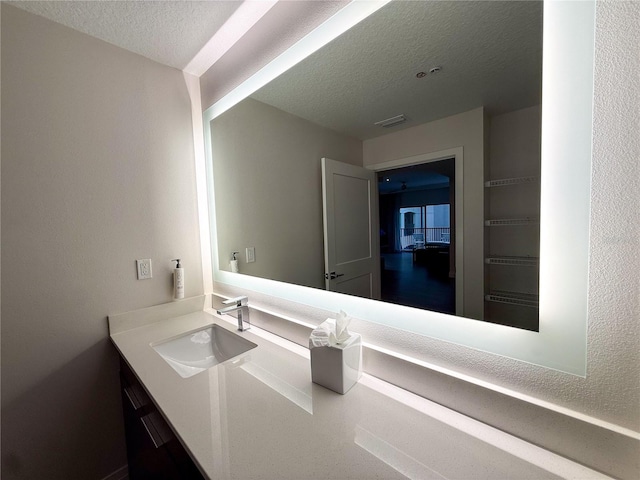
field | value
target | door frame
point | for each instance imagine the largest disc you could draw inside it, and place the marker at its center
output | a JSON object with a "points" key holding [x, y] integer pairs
{"points": [[458, 154]]}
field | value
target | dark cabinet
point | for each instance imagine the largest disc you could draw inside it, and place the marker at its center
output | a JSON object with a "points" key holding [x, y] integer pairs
{"points": [[153, 451]]}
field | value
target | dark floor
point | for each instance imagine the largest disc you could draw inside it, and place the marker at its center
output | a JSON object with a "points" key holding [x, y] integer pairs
{"points": [[423, 286]]}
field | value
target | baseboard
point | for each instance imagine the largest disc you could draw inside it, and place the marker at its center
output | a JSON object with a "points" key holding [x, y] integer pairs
{"points": [[120, 474]]}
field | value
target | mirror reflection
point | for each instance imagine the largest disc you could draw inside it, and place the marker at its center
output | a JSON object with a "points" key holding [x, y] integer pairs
{"points": [[440, 103]]}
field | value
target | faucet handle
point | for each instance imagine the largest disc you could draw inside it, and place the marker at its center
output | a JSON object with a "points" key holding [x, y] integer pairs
{"points": [[240, 301]]}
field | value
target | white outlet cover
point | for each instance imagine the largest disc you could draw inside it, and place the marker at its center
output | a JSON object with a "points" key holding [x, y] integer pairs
{"points": [[144, 269]]}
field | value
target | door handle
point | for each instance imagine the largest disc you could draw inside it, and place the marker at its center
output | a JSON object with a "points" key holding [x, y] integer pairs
{"points": [[332, 275]]}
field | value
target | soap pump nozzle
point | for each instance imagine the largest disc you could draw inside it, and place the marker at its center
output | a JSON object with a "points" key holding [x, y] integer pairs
{"points": [[234, 255], [177, 260]]}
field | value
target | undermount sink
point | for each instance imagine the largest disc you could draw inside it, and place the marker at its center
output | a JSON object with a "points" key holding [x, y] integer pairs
{"points": [[196, 351]]}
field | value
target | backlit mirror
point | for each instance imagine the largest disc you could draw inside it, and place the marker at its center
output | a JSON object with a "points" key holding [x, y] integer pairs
{"points": [[409, 82], [252, 183]]}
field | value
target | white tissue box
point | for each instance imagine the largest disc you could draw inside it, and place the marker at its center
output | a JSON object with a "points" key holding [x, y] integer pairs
{"points": [[338, 367]]}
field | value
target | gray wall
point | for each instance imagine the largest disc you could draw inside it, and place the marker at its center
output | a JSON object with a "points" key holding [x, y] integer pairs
{"points": [[268, 188], [97, 170]]}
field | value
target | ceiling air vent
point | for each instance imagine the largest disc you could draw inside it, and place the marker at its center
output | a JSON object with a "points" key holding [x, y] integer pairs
{"points": [[391, 122]]}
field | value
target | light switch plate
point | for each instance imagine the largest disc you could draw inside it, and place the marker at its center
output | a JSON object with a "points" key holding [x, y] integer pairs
{"points": [[251, 254], [144, 268]]}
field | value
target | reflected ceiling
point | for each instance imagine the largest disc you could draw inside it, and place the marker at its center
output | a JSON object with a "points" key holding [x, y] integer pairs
{"points": [[416, 177], [362, 77]]}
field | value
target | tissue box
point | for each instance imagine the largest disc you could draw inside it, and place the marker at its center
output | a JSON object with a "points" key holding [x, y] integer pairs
{"points": [[338, 367]]}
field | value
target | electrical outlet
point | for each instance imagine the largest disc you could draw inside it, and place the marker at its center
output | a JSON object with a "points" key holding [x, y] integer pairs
{"points": [[144, 268], [251, 254]]}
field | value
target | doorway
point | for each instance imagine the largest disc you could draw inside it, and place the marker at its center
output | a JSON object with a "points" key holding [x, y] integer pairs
{"points": [[417, 235]]}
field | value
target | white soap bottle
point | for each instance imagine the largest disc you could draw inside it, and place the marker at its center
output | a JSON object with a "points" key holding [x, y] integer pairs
{"points": [[234, 263], [178, 281]]}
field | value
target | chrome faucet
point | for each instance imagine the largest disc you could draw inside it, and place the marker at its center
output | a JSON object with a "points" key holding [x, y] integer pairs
{"points": [[240, 305]]}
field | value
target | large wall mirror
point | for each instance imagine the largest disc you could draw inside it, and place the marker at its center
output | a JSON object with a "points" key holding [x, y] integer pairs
{"points": [[477, 111]]}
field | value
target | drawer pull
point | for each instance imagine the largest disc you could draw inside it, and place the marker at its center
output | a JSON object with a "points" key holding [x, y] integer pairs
{"points": [[133, 399], [158, 430]]}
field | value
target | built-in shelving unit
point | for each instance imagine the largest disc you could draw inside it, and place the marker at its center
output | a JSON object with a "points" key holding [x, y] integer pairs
{"points": [[507, 222], [512, 219], [504, 182], [513, 298], [511, 253], [512, 261]]}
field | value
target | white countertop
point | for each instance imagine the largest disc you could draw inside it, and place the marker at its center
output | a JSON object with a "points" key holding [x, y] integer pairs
{"points": [[260, 416]]}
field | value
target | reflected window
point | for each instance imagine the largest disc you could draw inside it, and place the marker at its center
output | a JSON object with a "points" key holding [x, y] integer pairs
{"points": [[423, 225]]}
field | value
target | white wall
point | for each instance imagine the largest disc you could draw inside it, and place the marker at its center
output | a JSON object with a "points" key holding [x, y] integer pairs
{"points": [[271, 196], [463, 130], [97, 170], [612, 387]]}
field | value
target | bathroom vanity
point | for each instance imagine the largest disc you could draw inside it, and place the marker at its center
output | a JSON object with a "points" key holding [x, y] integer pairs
{"points": [[258, 415], [153, 451]]}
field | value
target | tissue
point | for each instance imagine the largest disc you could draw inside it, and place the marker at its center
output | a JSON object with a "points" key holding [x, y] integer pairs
{"points": [[320, 335], [336, 354], [341, 334]]}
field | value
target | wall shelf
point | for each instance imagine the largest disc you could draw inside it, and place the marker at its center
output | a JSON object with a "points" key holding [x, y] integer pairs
{"points": [[504, 182], [513, 261], [505, 222], [513, 298]]}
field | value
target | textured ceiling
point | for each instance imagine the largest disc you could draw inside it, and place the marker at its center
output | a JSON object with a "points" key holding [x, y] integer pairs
{"points": [[490, 53], [169, 32]]}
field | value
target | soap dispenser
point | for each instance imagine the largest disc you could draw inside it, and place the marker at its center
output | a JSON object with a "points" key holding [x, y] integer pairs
{"points": [[234, 262], [178, 281]]}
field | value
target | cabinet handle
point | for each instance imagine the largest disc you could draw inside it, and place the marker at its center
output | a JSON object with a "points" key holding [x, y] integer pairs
{"points": [[133, 399], [157, 429]]}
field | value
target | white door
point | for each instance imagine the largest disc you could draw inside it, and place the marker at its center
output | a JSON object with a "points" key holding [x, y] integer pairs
{"points": [[351, 232]]}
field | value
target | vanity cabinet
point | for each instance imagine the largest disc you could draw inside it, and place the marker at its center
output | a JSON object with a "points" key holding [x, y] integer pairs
{"points": [[153, 451]]}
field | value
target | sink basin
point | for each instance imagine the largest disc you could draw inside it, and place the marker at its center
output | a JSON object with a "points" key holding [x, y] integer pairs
{"points": [[196, 351]]}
